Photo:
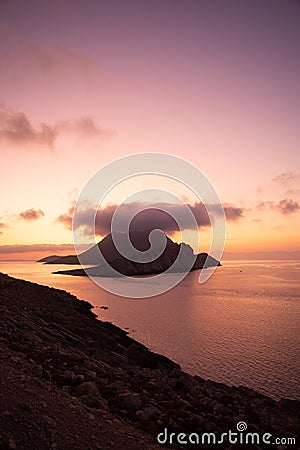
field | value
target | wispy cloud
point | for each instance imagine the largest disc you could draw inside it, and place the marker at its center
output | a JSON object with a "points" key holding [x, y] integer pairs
{"points": [[284, 185], [60, 58], [83, 127], [151, 216], [285, 206], [18, 130], [28, 248], [286, 178], [31, 215], [292, 192], [48, 61], [2, 226]]}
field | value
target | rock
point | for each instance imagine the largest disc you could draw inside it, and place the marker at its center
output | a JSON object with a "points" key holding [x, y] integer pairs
{"points": [[86, 388], [221, 410], [146, 392], [90, 375], [118, 387], [148, 413], [69, 374], [93, 402], [37, 371], [209, 427], [12, 444], [194, 421], [185, 404], [131, 402], [130, 442], [79, 378]]}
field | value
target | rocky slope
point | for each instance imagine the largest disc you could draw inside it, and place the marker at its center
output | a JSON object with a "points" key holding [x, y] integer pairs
{"points": [[70, 381]]}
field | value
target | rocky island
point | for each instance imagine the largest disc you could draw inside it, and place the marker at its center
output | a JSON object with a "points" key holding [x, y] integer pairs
{"points": [[71, 381], [126, 266]]}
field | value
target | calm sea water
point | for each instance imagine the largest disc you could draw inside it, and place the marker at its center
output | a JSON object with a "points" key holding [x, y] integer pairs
{"points": [[240, 327]]}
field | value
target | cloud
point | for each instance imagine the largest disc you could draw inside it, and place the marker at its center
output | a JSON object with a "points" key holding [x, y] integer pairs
{"points": [[60, 58], [83, 127], [67, 218], [49, 62], [17, 129], [292, 192], [286, 178], [285, 184], [30, 215], [2, 225], [263, 205], [151, 216], [286, 206], [28, 248], [233, 213]]}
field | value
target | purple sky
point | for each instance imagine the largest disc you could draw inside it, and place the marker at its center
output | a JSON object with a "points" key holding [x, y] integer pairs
{"points": [[215, 82]]}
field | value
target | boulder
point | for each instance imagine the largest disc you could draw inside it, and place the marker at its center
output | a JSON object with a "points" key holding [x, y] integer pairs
{"points": [[93, 402], [131, 402], [86, 388]]}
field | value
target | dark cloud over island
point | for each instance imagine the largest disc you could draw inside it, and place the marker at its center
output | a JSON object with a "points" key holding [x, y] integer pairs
{"points": [[151, 216]]}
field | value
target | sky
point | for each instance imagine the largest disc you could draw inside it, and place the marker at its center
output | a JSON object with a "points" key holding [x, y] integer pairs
{"points": [[215, 82]]}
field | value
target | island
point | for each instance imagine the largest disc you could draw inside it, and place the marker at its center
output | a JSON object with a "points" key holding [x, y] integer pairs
{"points": [[125, 266]]}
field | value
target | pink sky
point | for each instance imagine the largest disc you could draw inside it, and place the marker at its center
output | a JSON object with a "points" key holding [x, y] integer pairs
{"points": [[214, 82]]}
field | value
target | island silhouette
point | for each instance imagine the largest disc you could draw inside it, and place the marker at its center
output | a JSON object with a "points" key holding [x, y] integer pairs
{"points": [[174, 258]]}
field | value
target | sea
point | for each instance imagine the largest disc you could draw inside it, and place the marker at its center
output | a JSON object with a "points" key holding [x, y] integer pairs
{"points": [[241, 327]]}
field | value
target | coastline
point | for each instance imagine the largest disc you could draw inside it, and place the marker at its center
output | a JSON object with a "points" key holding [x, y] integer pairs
{"points": [[71, 381]]}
